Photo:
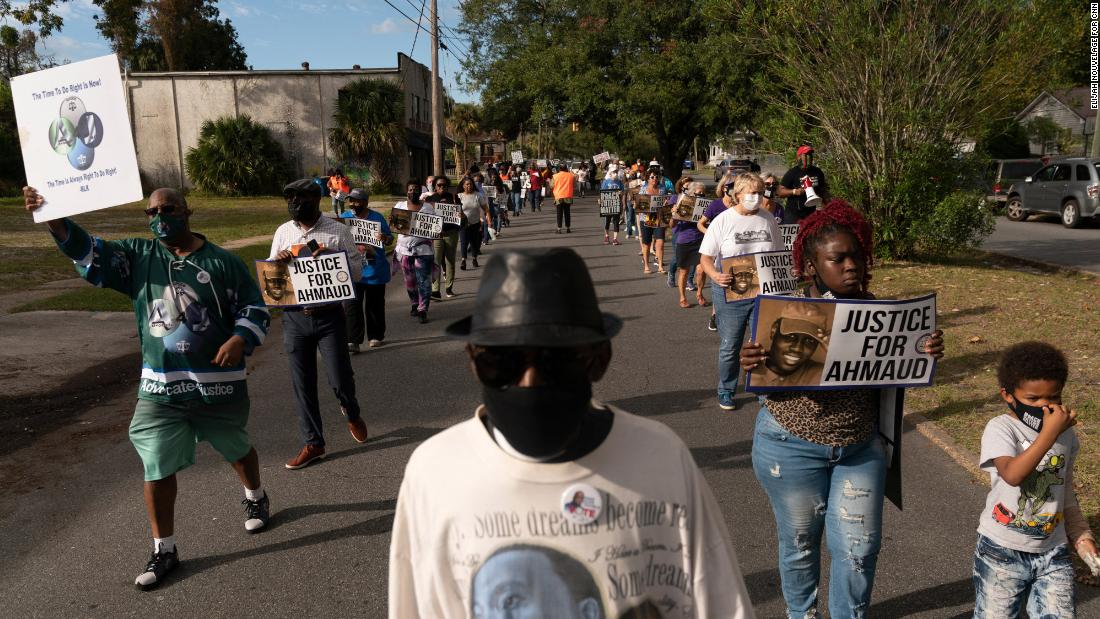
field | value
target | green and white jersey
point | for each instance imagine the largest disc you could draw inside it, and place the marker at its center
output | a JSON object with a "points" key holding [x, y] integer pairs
{"points": [[186, 308]]}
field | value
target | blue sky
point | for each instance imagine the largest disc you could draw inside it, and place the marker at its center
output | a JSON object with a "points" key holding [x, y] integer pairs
{"points": [[338, 34]]}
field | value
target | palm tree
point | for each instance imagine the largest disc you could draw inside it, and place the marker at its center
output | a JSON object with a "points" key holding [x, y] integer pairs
{"points": [[464, 121], [368, 129]]}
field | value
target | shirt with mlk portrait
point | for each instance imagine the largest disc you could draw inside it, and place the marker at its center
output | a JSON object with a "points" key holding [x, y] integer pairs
{"points": [[186, 308], [480, 533], [1029, 517]]}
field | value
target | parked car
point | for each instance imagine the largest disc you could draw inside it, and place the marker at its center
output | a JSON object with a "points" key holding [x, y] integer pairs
{"points": [[1070, 188], [689, 164], [732, 165], [1003, 173]]}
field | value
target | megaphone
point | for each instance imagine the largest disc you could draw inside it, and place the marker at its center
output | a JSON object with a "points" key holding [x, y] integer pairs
{"points": [[812, 199]]}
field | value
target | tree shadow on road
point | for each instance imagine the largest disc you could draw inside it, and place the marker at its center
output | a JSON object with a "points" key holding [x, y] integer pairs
{"points": [[378, 525], [947, 595], [394, 438]]}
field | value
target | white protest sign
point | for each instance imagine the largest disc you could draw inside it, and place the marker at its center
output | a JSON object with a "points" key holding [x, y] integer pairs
{"points": [[690, 208], [306, 281], [416, 223], [517, 156], [767, 272], [451, 213], [600, 158], [816, 344], [74, 133], [610, 202], [540, 163], [366, 232], [789, 232], [490, 191]]}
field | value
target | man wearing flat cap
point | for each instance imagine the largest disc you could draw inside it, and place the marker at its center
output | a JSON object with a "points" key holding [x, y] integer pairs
{"points": [[318, 327], [793, 186], [548, 478], [799, 343]]}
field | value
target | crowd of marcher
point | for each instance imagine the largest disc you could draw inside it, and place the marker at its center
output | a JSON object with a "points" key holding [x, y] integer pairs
{"points": [[507, 514]]}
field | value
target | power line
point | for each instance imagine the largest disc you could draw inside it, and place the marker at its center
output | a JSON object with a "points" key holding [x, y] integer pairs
{"points": [[446, 32], [417, 33], [421, 27]]}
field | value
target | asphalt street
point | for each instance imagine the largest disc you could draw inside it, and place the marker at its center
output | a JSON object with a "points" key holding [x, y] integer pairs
{"points": [[1043, 238], [73, 531]]}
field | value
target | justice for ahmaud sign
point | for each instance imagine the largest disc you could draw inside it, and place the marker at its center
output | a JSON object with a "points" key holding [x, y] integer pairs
{"points": [[313, 281], [815, 344], [789, 232], [366, 232], [75, 136], [767, 272]]}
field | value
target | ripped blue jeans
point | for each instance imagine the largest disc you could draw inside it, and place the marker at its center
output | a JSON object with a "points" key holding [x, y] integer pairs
{"points": [[814, 488], [1002, 577]]}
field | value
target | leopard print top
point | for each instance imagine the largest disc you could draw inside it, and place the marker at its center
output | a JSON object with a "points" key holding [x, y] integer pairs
{"points": [[836, 418]]}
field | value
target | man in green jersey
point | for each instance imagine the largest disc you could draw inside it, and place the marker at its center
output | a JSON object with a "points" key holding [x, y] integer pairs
{"points": [[199, 312]]}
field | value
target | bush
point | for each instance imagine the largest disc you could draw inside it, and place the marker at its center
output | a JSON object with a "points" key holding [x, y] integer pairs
{"points": [[237, 156], [960, 221]]}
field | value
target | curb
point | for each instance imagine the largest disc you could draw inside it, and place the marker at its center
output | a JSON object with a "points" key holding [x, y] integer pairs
{"points": [[965, 458], [1039, 264]]}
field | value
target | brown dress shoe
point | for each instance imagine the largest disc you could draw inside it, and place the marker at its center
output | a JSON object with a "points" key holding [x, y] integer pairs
{"points": [[358, 429], [308, 454]]}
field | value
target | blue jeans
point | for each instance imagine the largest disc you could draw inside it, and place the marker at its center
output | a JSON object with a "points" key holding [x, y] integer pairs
{"points": [[813, 487], [631, 220], [517, 203], [1002, 577], [732, 319]]}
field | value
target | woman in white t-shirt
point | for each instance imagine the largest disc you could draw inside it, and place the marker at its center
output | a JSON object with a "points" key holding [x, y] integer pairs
{"points": [[741, 229], [475, 208]]}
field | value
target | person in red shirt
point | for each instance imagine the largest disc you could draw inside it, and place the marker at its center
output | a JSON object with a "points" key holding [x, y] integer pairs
{"points": [[534, 193]]}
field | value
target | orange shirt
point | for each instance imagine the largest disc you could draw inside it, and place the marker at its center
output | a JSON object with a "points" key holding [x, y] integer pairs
{"points": [[563, 184]]}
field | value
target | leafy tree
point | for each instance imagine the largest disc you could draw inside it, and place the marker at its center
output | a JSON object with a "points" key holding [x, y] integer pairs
{"points": [[170, 35], [1003, 139], [885, 90], [368, 128], [1044, 132], [11, 157], [17, 52], [614, 67], [464, 121], [33, 12], [236, 156]]}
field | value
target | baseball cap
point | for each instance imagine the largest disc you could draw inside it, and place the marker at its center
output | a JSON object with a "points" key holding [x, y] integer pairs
{"points": [[805, 149]]}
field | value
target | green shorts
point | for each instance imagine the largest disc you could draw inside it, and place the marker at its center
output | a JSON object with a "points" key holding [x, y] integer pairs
{"points": [[165, 434]]}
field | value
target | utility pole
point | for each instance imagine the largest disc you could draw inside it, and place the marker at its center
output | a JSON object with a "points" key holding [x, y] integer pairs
{"points": [[437, 98]]}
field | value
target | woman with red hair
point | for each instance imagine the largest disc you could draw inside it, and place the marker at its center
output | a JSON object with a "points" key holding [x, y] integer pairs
{"points": [[816, 453]]}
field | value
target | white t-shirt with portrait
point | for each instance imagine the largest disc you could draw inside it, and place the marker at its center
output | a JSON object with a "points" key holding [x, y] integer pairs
{"points": [[734, 234], [479, 532]]}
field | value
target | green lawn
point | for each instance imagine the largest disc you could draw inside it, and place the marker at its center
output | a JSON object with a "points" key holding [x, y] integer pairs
{"points": [[30, 257]]}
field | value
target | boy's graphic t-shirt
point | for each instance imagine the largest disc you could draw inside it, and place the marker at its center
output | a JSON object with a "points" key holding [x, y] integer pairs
{"points": [[1028, 517], [631, 529]]}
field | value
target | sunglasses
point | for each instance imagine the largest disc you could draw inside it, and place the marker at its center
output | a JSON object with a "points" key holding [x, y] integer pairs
{"points": [[164, 208], [501, 366]]}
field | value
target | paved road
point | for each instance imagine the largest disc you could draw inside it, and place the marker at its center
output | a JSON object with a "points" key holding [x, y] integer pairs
{"points": [[73, 532], [1043, 238]]}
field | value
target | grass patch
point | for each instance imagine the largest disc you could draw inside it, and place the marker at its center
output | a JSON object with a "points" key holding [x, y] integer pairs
{"points": [[31, 258], [986, 304], [92, 299]]}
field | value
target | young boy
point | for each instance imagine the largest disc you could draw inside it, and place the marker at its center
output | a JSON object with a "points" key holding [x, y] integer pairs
{"points": [[1031, 511]]}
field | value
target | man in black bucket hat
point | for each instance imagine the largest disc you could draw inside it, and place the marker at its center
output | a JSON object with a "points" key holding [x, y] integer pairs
{"points": [[518, 504]]}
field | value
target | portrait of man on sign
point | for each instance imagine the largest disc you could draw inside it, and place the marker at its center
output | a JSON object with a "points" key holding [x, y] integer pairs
{"points": [[277, 288], [746, 284], [797, 343], [400, 221]]}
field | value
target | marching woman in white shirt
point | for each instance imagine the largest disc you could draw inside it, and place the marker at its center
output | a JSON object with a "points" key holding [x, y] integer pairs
{"points": [[741, 229]]}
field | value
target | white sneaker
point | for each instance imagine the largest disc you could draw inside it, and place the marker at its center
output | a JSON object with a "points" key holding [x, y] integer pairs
{"points": [[374, 343]]}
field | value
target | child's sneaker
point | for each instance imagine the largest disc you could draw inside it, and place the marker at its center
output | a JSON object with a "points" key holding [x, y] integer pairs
{"points": [[258, 513]]}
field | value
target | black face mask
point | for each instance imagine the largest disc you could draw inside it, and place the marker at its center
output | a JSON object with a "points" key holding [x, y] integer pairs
{"points": [[302, 211], [1031, 416], [538, 422]]}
